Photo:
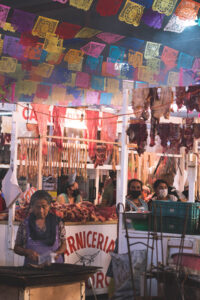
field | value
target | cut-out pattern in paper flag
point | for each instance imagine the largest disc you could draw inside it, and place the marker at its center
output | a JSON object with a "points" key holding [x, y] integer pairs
{"points": [[185, 61], [27, 87], [151, 50], [196, 65], [111, 68], [98, 83], [43, 26], [60, 75], [93, 65], [8, 64], [44, 70], [12, 47], [116, 54], [93, 49], [108, 8], [173, 79], [145, 74], [164, 6], [33, 53], [187, 10], [112, 85], [74, 56], [81, 4], [110, 38], [22, 21], [4, 10], [92, 98], [131, 13], [105, 98], [175, 25], [135, 58], [8, 27], [153, 18], [82, 80], [67, 30], [53, 43], [153, 64], [169, 57], [43, 91], [76, 66], [72, 80], [54, 58], [127, 71], [87, 33]]}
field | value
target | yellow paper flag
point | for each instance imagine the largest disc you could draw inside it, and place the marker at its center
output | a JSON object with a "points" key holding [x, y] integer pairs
{"points": [[43, 26]]}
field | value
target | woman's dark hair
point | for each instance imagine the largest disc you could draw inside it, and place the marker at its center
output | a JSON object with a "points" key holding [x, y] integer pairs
{"points": [[157, 182], [40, 195], [134, 180]]}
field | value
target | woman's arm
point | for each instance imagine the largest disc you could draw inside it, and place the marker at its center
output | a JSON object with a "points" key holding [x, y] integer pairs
{"points": [[33, 255]]}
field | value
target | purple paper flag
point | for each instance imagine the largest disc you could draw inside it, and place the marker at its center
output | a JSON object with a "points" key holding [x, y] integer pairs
{"points": [[153, 18], [4, 10], [109, 37], [92, 97], [93, 49], [22, 21], [82, 80], [12, 47]]}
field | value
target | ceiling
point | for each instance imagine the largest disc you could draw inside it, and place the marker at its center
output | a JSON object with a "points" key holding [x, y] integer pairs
{"points": [[188, 41]]}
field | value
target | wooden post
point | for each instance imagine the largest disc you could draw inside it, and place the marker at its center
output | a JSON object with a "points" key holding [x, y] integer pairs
{"points": [[39, 179]]}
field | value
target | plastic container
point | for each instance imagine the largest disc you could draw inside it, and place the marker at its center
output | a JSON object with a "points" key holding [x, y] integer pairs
{"points": [[174, 225], [168, 208], [138, 220]]}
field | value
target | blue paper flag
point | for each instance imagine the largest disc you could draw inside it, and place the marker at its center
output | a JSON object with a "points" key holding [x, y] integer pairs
{"points": [[43, 56], [127, 71], [146, 3], [116, 54], [60, 75], [185, 61], [132, 43], [26, 98], [98, 83], [75, 92], [93, 65], [105, 98]]}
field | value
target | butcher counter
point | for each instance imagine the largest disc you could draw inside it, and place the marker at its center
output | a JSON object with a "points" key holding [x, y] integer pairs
{"points": [[30, 283]]}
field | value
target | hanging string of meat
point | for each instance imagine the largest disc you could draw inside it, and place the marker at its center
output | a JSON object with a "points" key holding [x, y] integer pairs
{"points": [[180, 96], [193, 98], [59, 113], [160, 102], [138, 134], [140, 103], [108, 129], [170, 135], [187, 136], [92, 122]]}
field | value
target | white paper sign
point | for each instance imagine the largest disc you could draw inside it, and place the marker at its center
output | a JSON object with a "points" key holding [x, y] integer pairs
{"points": [[10, 187]]}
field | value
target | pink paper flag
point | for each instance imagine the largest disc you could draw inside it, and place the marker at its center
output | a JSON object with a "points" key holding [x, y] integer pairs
{"points": [[93, 49], [61, 1], [4, 10], [92, 97], [109, 37], [82, 80], [111, 68]]}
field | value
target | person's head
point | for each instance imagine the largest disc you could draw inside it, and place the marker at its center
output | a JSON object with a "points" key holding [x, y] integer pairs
{"points": [[22, 181], [161, 188], [40, 204], [135, 187], [72, 189]]}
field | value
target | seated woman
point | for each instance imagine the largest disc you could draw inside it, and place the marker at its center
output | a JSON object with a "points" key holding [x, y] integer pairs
{"points": [[134, 199], [40, 233], [71, 194]]}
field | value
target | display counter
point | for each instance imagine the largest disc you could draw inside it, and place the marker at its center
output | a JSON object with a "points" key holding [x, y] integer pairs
{"points": [[31, 283]]}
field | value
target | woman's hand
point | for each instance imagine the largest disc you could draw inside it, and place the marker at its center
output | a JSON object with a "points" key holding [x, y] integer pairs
{"points": [[31, 254]]}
